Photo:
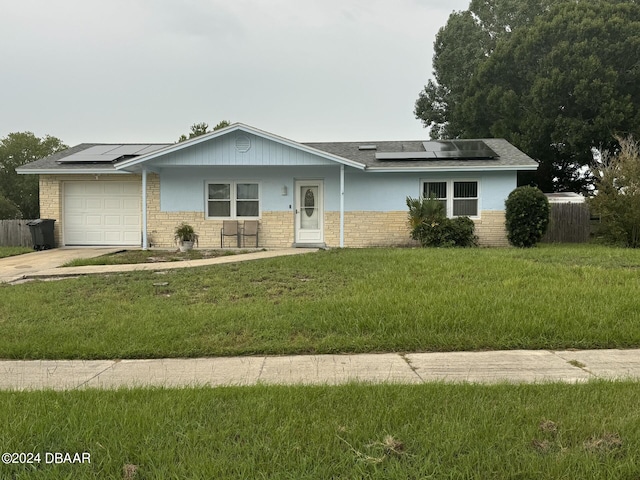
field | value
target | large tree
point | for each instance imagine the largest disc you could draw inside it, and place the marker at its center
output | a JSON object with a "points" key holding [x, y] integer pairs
{"points": [[17, 149], [468, 39], [556, 81]]}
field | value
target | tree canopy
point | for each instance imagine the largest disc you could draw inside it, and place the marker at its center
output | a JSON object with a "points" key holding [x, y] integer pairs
{"points": [[556, 79], [21, 191], [201, 128]]}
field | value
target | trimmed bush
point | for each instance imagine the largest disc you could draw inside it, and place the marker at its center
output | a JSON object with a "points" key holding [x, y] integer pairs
{"points": [[527, 216], [431, 227]]}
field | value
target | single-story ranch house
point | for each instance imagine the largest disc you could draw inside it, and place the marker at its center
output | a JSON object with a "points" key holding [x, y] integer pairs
{"points": [[340, 194]]}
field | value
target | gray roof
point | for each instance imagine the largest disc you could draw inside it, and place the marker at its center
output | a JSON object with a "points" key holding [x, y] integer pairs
{"points": [[51, 163], [509, 158], [508, 155]]}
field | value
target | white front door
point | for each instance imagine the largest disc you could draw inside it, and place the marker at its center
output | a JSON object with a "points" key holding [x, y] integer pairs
{"points": [[309, 211]]}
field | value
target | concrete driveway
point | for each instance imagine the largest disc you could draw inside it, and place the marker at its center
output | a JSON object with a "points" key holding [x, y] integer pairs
{"points": [[16, 267]]}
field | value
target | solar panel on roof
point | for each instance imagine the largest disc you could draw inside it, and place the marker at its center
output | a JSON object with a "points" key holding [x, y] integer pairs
{"points": [[405, 155], [445, 149], [110, 153], [438, 146], [467, 154], [128, 149], [99, 149], [82, 157], [151, 148]]}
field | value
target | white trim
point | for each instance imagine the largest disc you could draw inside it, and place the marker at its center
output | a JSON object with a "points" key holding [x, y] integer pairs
{"points": [[75, 171], [145, 240], [341, 206], [450, 192], [298, 211], [233, 198], [451, 169]]}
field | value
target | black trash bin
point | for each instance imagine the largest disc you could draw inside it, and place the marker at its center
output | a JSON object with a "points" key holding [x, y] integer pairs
{"points": [[42, 233]]}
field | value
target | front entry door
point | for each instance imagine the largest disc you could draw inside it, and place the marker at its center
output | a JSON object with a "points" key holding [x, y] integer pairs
{"points": [[309, 211]]}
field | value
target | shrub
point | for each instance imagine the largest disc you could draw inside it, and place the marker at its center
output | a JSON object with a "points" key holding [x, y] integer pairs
{"points": [[431, 227], [617, 200], [527, 216]]}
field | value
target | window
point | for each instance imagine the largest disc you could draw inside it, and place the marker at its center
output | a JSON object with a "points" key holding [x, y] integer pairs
{"points": [[233, 200], [460, 198], [247, 201], [465, 199], [437, 190]]}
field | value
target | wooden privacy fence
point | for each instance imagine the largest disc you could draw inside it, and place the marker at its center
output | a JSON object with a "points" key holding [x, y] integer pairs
{"points": [[569, 223], [15, 233]]}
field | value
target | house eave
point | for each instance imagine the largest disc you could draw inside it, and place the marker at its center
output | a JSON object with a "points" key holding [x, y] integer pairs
{"points": [[499, 168], [75, 171]]}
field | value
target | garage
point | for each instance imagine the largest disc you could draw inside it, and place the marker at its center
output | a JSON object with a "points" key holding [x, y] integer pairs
{"points": [[102, 213]]}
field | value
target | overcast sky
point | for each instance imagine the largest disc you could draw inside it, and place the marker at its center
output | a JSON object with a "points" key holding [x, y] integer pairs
{"points": [[145, 70]]}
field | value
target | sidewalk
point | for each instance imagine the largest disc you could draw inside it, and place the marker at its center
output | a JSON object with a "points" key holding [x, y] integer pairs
{"points": [[517, 366]]}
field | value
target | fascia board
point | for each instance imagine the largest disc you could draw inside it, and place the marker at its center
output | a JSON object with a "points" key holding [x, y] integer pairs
{"points": [[60, 171], [447, 169]]}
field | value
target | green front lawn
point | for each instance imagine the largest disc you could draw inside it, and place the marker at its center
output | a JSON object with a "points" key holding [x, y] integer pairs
{"points": [[11, 251], [354, 431], [369, 300]]}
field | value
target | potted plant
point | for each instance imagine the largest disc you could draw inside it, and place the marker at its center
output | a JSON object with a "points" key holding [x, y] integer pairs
{"points": [[185, 237]]}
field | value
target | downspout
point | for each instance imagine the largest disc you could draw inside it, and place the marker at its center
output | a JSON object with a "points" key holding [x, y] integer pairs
{"points": [[145, 243], [341, 205]]}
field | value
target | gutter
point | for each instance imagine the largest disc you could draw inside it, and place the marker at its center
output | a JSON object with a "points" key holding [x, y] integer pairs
{"points": [[78, 171], [448, 169]]}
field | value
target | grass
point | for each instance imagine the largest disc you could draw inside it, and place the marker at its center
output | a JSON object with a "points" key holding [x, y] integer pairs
{"points": [[370, 300], [11, 251], [439, 431], [151, 256]]}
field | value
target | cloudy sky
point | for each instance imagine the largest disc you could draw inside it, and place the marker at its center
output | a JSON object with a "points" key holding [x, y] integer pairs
{"points": [[145, 70]]}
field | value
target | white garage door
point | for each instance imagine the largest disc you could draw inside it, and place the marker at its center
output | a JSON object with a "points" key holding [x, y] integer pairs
{"points": [[102, 213]]}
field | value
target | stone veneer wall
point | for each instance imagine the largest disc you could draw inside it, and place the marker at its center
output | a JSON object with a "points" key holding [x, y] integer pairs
{"points": [[368, 229], [362, 229], [276, 228], [51, 202], [375, 229], [491, 230]]}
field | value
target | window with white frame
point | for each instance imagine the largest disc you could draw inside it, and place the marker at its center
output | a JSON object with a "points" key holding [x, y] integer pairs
{"points": [[460, 197], [233, 200]]}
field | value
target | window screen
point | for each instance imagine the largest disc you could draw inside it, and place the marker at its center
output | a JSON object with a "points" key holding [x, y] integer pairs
{"points": [[465, 199], [436, 189]]}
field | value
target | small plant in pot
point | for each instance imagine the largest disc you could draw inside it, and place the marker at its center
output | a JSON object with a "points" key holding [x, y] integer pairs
{"points": [[185, 237]]}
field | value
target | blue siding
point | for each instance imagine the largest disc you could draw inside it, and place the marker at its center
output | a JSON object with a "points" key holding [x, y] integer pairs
{"points": [[184, 189], [222, 151], [496, 187], [388, 191]]}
